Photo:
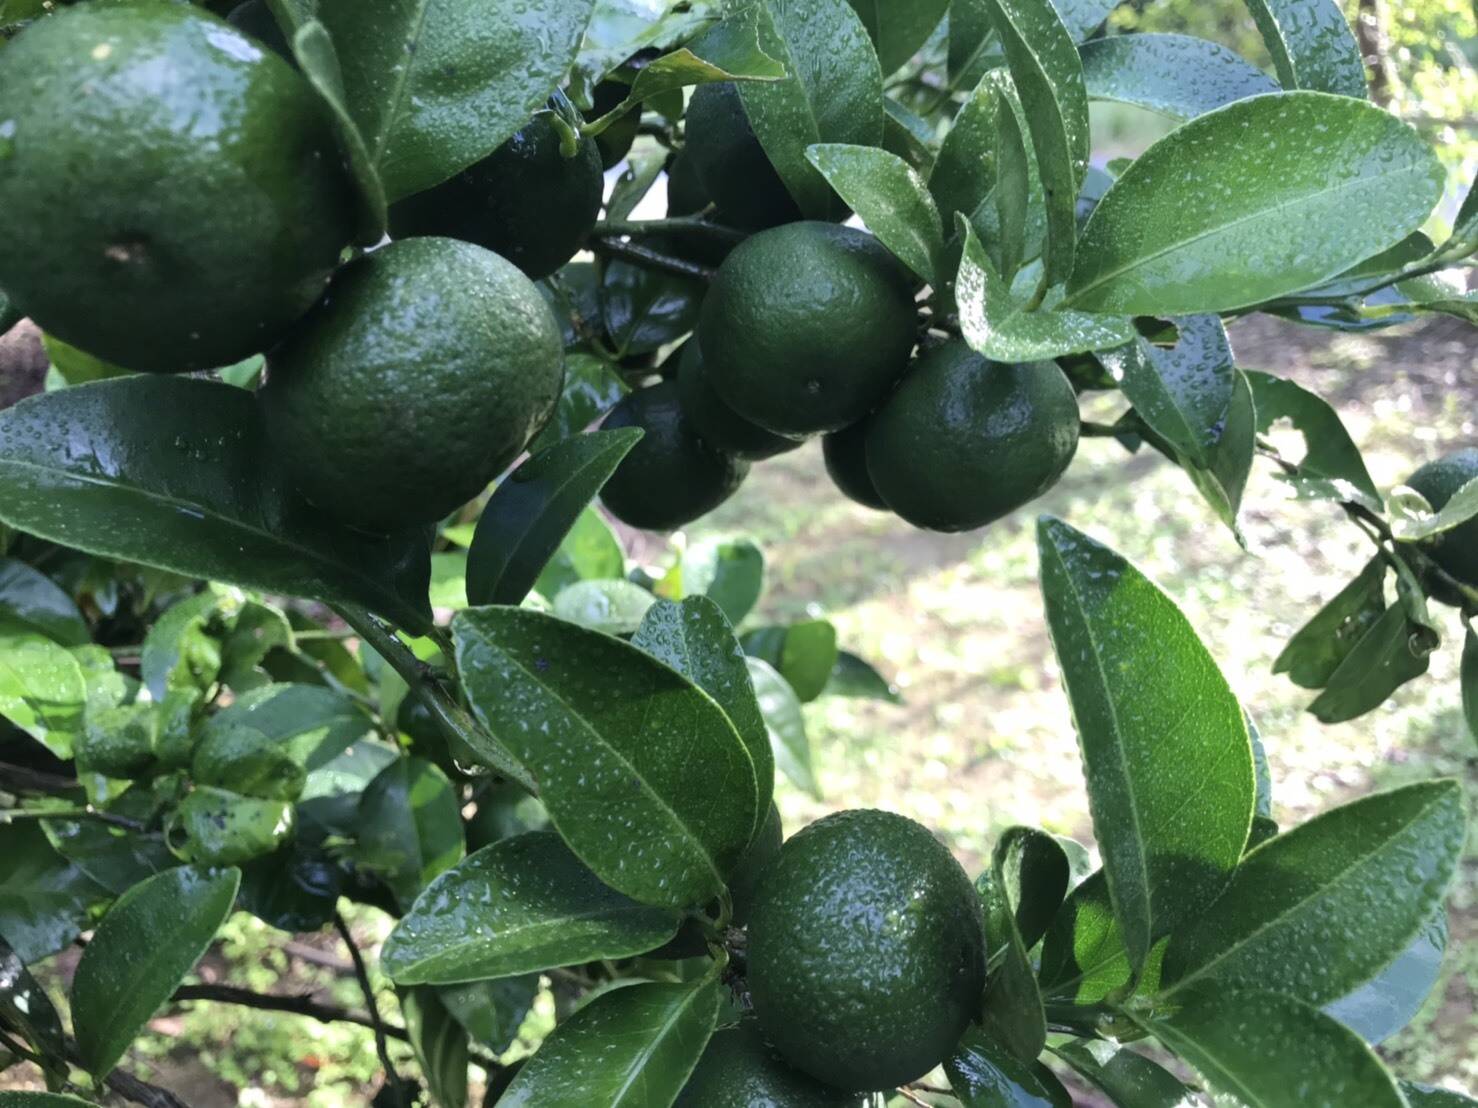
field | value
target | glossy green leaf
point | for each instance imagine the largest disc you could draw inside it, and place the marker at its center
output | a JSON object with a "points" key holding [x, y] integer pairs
{"points": [[786, 724], [318, 61], [217, 827], [731, 573], [410, 827], [1012, 1013], [1319, 647], [727, 51], [116, 859], [1048, 74], [645, 309], [1312, 45], [1332, 466], [42, 690], [294, 889], [1321, 909], [694, 637], [967, 169], [247, 761], [856, 677], [1390, 653], [1269, 1051], [804, 653], [436, 87], [1470, 680], [330, 801], [179, 651], [1176, 75], [1084, 959], [140, 953], [313, 724], [983, 1073], [1293, 188], [1128, 1079], [174, 472], [591, 551], [906, 134], [25, 1009], [491, 1011], [518, 906], [440, 1046], [1183, 393], [898, 30], [45, 899], [1032, 869], [1428, 1096], [833, 92], [253, 632], [531, 512], [890, 198], [621, 28], [1389, 1001], [648, 1038], [612, 607], [1157, 724], [1413, 519], [592, 387], [28, 596], [996, 325], [1463, 241], [642, 772]]}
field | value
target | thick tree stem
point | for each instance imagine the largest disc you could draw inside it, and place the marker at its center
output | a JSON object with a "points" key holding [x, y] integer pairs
{"points": [[453, 719]]}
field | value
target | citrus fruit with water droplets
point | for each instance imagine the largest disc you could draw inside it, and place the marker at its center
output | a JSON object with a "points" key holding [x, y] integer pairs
{"points": [[1455, 550], [845, 455], [730, 164], [424, 373], [739, 1069], [806, 327], [717, 423], [671, 476], [527, 200], [866, 955], [964, 441], [173, 195]]}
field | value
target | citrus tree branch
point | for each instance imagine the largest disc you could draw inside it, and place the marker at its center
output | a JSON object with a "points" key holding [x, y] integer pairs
{"points": [[14, 815], [651, 259], [382, 1043], [681, 225], [453, 719]]}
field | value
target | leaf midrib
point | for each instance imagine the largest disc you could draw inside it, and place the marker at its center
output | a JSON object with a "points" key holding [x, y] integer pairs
{"points": [[402, 80], [1141, 853], [611, 913], [1353, 184], [662, 805], [645, 1054], [1337, 878], [309, 554]]}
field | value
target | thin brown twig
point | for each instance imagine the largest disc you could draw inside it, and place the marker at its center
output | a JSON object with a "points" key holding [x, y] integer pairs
{"points": [[908, 1096], [26, 779], [382, 1045]]}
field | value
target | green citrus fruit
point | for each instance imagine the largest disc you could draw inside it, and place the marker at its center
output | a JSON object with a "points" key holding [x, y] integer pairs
{"points": [[866, 951], [671, 477], [1455, 550], [739, 1069], [806, 326], [525, 201], [845, 454], [685, 192], [730, 162], [717, 423], [964, 441], [423, 373], [172, 191]]}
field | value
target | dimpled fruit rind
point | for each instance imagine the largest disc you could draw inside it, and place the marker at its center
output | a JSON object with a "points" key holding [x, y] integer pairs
{"points": [[173, 195], [964, 441], [806, 326], [1455, 550], [739, 1069], [671, 477], [866, 951], [525, 201], [425, 371], [717, 423]]}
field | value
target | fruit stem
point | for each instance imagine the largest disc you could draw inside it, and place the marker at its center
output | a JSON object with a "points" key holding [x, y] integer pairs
{"points": [[678, 224], [454, 720], [651, 259]]}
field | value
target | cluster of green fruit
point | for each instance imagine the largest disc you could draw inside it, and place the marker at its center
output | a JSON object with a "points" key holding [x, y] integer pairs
{"points": [[865, 962], [811, 328], [177, 200]]}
